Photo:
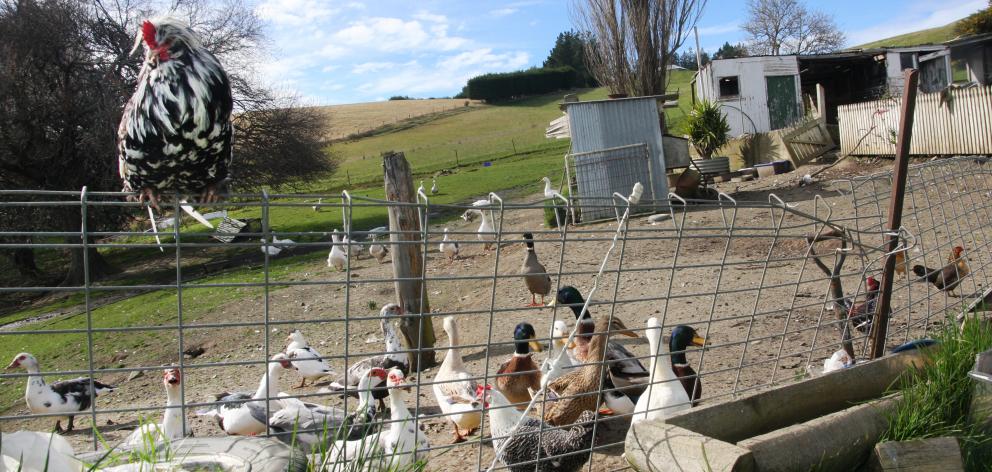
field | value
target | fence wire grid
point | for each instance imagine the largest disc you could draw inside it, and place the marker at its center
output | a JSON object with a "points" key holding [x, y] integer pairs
{"points": [[753, 278]]}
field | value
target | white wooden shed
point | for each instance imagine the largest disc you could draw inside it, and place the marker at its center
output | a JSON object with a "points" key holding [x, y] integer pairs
{"points": [[757, 94]]}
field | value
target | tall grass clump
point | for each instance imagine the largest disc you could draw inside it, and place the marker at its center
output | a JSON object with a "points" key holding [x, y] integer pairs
{"points": [[936, 399]]}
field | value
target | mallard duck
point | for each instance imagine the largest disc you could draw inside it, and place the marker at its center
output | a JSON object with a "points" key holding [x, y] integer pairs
{"points": [[518, 375], [625, 369], [68, 397], [245, 413], [556, 449], [535, 275], [448, 248], [337, 258], [306, 360], [454, 388], [172, 425], [665, 395], [392, 358], [682, 337], [578, 390]]}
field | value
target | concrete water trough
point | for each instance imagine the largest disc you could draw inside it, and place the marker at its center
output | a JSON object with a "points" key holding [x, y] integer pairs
{"points": [[831, 422]]}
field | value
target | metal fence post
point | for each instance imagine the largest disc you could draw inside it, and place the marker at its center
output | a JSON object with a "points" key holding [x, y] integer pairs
{"points": [[879, 327]]}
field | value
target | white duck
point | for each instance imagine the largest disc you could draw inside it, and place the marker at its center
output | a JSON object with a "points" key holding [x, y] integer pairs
{"points": [[277, 246], [378, 251], [486, 232], [244, 413], [434, 188], [312, 425], [317, 206], [559, 341], [549, 192], [172, 425], [307, 361], [67, 396], [665, 395], [403, 437], [392, 358], [454, 388], [31, 451], [337, 258], [347, 454], [448, 248]]}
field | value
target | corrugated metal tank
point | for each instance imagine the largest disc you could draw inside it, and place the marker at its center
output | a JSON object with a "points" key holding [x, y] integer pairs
{"points": [[604, 124]]}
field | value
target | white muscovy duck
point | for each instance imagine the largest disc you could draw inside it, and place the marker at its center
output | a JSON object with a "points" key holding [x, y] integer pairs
{"points": [[392, 358], [312, 424], [448, 247], [337, 258], [378, 250], [403, 437], [31, 451], [664, 395], [244, 413], [454, 388], [342, 454], [66, 396], [173, 424], [486, 232], [534, 437], [307, 361]]}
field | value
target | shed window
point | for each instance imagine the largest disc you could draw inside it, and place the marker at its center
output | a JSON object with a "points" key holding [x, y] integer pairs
{"points": [[907, 60], [959, 71], [729, 87]]}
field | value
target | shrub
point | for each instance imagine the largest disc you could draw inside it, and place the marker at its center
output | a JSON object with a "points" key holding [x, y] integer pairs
{"points": [[534, 81], [707, 128]]}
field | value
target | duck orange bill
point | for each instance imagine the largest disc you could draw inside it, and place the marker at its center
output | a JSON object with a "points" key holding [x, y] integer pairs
{"points": [[536, 346], [698, 341]]}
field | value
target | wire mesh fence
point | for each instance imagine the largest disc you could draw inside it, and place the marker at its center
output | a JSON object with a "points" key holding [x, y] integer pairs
{"points": [[594, 176], [758, 280]]}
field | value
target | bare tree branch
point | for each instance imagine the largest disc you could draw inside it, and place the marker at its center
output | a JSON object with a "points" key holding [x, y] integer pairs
{"points": [[788, 27]]}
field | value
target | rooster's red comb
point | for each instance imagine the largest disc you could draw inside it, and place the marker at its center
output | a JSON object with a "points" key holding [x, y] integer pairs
{"points": [[148, 33]]}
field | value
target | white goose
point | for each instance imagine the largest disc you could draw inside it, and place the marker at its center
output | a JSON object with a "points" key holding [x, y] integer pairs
{"points": [[67, 396], [245, 413], [173, 424], [307, 361], [337, 257], [31, 451], [448, 248], [454, 388], [665, 395]]}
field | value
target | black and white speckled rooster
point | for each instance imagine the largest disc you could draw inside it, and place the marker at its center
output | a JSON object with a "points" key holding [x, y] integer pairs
{"points": [[175, 134]]}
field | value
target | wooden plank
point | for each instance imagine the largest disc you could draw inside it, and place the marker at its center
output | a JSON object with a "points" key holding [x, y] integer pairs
{"points": [[408, 261], [922, 455]]}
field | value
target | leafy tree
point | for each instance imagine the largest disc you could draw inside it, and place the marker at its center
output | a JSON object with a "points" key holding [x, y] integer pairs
{"points": [[569, 50], [788, 27], [687, 60], [976, 23], [730, 51]]}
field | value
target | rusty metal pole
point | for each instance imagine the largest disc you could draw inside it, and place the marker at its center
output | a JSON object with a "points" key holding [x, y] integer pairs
{"points": [[880, 326]]}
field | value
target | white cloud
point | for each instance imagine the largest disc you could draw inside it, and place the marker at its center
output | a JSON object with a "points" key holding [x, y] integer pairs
{"points": [[718, 29], [367, 67], [447, 74], [394, 34], [916, 17], [501, 12], [294, 13]]}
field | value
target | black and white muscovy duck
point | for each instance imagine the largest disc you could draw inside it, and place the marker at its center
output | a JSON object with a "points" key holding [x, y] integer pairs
{"points": [[306, 360], [66, 396], [175, 134], [173, 424], [245, 413], [310, 425], [555, 446], [347, 383]]}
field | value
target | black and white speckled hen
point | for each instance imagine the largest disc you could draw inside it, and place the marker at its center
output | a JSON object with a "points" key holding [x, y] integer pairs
{"points": [[561, 450], [176, 132]]}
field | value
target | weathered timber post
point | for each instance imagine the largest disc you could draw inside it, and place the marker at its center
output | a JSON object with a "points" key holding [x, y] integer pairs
{"points": [[408, 261], [880, 325]]}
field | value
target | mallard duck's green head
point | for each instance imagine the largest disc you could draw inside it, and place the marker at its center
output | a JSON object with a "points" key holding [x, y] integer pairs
{"points": [[682, 337], [529, 238], [569, 296], [524, 335]]}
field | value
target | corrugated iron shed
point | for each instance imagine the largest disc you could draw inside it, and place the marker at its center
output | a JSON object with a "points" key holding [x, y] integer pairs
{"points": [[603, 124]]}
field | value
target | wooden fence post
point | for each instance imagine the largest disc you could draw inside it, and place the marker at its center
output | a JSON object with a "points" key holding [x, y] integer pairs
{"points": [[408, 261]]}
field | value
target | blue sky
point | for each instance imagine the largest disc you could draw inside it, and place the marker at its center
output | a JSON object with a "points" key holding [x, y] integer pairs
{"points": [[348, 51]]}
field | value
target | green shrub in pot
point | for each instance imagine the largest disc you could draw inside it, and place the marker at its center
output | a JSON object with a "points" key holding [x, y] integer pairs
{"points": [[707, 128]]}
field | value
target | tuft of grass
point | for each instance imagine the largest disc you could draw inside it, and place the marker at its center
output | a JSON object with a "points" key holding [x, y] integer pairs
{"points": [[936, 399]]}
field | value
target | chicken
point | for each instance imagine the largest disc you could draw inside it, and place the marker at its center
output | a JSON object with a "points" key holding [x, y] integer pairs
{"points": [[862, 314], [947, 278]]}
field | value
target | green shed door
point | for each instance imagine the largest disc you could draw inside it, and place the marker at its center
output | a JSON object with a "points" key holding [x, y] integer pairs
{"points": [[782, 106]]}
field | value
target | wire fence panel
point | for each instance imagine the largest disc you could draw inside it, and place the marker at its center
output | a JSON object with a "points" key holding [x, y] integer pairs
{"points": [[752, 278]]}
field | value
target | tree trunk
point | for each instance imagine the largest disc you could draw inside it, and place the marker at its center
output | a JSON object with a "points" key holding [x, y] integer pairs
{"points": [[99, 267], [23, 259]]}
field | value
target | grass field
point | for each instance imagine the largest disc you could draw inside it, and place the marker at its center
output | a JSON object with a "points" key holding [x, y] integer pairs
{"points": [[927, 36], [353, 118]]}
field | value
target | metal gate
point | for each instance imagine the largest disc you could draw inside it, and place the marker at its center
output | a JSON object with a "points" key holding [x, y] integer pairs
{"points": [[594, 176]]}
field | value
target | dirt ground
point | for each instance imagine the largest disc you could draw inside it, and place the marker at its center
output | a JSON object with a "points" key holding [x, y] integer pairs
{"points": [[756, 299]]}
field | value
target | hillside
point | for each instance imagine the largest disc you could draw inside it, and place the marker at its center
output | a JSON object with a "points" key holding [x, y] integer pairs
{"points": [[353, 118], [927, 36]]}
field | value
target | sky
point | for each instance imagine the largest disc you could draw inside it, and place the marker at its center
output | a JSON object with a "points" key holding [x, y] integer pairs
{"points": [[350, 51]]}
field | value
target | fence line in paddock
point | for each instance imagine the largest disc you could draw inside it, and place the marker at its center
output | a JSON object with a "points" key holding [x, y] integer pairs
{"points": [[739, 272]]}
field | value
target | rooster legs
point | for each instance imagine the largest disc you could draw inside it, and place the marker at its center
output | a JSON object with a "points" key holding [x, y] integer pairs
{"points": [[211, 193], [150, 195]]}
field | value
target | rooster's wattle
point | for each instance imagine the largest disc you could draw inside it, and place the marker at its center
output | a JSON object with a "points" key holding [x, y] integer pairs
{"points": [[176, 133]]}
